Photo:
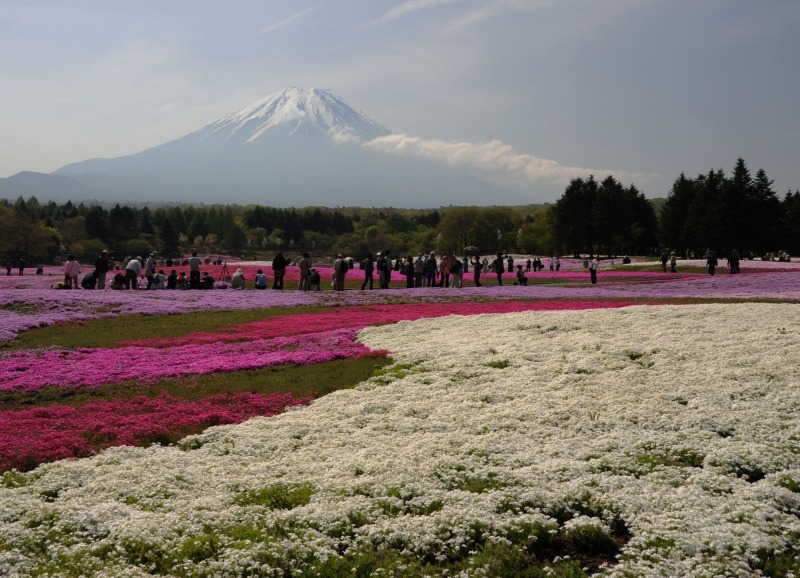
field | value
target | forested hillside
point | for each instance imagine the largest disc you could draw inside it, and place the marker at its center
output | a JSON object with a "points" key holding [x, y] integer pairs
{"points": [[710, 211]]}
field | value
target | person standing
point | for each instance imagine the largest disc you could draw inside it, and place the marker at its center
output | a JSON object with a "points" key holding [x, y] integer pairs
{"points": [[673, 262], [408, 271], [305, 272], [132, 273], [419, 270], [386, 270], [712, 262], [430, 270], [101, 269], [510, 263], [497, 267], [71, 270], [444, 271], [368, 266], [664, 260], [477, 267], [21, 266], [593, 270], [194, 271], [150, 269], [456, 272], [733, 262], [339, 271], [279, 263]]}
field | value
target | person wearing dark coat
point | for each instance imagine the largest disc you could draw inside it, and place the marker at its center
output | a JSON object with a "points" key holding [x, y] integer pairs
{"points": [[278, 270]]}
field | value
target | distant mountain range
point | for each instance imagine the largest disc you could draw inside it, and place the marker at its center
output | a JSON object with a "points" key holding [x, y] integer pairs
{"points": [[296, 147]]}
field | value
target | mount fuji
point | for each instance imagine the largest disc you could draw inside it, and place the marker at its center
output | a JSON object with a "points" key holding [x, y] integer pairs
{"points": [[297, 147]]}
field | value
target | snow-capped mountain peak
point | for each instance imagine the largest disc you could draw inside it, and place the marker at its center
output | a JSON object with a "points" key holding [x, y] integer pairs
{"points": [[299, 111]]}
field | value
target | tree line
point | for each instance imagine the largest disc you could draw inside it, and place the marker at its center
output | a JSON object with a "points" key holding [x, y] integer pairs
{"points": [[591, 217]]}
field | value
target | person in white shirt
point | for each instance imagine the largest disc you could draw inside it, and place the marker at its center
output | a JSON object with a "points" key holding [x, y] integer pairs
{"points": [[71, 270], [132, 273], [194, 271]]}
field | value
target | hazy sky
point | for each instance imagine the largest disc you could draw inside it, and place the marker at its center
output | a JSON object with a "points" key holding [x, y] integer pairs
{"points": [[533, 91]]}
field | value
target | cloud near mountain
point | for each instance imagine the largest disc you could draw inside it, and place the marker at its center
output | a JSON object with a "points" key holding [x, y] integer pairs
{"points": [[493, 157]]}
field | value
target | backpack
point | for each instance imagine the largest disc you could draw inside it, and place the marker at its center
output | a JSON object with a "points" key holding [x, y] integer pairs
{"points": [[363, 263]]}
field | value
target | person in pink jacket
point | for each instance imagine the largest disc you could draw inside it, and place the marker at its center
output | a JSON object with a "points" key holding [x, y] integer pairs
{"points": [[71, 270]]}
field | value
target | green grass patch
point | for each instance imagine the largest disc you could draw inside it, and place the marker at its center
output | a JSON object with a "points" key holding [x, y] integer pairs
{"points": [[277, 496], [501, 364], [299, 380], [109, 332]]}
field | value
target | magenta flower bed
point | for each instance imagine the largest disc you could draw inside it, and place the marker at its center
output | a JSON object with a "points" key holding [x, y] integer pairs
{"points": [[42, 434], [32, 370], [22, 309], [364, 316]]}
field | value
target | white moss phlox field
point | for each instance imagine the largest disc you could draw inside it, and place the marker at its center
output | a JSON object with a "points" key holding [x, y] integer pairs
{"points": [[684, 421]]}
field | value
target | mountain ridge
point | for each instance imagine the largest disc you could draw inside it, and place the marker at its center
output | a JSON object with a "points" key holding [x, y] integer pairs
{"points": [[295, 147]]}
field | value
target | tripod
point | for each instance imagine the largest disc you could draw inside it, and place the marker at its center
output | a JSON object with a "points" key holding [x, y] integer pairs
{"points": [[224, 275]]}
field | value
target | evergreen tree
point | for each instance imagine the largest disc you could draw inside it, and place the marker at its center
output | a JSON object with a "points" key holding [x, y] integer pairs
{"points": [[169, 238], [764, 214], [573, 216], [98, 224], [674, 214]]}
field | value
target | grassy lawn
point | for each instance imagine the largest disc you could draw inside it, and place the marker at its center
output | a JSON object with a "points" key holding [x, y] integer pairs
{"points": [[110, 331]]}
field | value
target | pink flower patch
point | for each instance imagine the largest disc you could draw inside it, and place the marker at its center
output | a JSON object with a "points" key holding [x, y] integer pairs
{"points": [[365, 316], [43, 434]]}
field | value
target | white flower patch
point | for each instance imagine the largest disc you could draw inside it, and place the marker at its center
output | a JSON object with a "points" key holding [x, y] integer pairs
{"points": [[682, 423]]}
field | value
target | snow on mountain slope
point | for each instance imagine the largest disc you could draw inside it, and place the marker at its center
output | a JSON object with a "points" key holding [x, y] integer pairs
{"points": [[302, 111]]}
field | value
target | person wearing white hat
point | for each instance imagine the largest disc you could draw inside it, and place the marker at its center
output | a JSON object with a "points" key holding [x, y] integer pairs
{"points": [[133, 271], [339, 271]]}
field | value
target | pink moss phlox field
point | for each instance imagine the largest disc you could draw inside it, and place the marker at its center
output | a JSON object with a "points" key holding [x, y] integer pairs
{"points": [[364, 316], [32, 370], [22, 309], [42, 434]]}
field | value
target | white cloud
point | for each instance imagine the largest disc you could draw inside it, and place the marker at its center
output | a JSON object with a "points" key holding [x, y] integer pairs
{"points": [[492, 157], [286, 21], [411, 6]]}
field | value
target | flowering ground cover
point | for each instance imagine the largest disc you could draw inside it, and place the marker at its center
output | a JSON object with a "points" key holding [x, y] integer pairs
{"points": [[33, 436], [554, 428], [31, 370], [638, 441], [361, 316], [22, 309]]}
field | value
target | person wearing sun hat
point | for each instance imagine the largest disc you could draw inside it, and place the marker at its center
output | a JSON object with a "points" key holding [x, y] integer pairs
{"points": [[339, 271]]}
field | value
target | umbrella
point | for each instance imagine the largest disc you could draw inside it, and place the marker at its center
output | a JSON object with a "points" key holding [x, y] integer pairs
{"points": [[471, 250]]}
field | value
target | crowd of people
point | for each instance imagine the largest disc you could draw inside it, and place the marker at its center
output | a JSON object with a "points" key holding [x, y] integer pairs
{"points": [[424, 270]]}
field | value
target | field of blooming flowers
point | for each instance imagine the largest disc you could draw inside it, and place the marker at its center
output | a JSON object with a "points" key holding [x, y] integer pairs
{"points": [[557, 429]]}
